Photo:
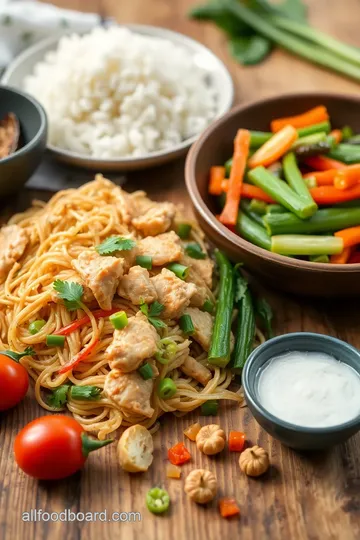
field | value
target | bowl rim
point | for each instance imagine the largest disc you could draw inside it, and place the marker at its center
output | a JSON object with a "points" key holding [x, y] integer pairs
{"points": [[255, 402], [43, 124], [154, 31], [208, 216]]}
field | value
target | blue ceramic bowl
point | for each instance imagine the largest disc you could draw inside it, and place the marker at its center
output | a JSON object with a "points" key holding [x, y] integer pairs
{"points": [[17, 168], [294, 436]]}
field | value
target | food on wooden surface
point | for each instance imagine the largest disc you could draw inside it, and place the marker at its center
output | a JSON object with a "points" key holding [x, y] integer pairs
{"points": [[319, 167], [179, 454], [9, 135], [157, 500], [191, 431], [14, 379], [135, 449], [116, 342], [211, 439], [53, 447], [237, 441], [173, 471], [201, 486], [334, 402], [228, 507], [115, 93], [254, 461]]}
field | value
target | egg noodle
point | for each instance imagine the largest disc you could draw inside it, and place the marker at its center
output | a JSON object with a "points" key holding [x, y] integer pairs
{"points": [[74, 220]]}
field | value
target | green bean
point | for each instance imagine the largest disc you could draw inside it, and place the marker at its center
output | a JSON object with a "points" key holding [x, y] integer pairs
{"points": [[295, 179], [245, 330], [315, 128], [276, 209], [258, 207], [252, 232], [245, 207]]}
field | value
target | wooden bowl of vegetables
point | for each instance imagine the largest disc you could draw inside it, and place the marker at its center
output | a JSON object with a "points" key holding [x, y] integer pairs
{"points": [[276, 184]]}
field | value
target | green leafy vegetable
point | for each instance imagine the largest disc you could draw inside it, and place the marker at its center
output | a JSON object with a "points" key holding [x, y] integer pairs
{"points": [[70, 292], [85, 392], [249, 50], [264, 311], [217, 13], [58, 397], [114, 244], [153, 313], [29, 351]]}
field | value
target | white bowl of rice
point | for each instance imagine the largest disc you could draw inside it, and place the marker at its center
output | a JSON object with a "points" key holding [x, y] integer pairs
{"points": [[123, 97]]}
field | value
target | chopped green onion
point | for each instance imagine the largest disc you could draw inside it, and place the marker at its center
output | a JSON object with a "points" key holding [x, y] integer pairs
{"points": [[210, 408], [179, 270], [157, 500], [259, 207], [166, 388], [36, 326], [208, 306], [186, 325], [169, 348], [85, 393], [119, 320], [53, 340], [160, 358], [145, 261], [194, 251], [146, 371], [183, 230]]}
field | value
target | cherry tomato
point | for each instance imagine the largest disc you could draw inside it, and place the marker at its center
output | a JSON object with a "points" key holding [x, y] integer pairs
{"points": [[14, 382], [53, 447]]}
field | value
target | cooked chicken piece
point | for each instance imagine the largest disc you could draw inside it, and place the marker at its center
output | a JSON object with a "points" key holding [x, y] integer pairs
{"points": [[163, 249], [202, 291], [13, 241], [203, 323], [137, 287], [130, 392], [197, 371], [173, 293], [203, 268], [157, 219], [132, 344], [100, 274]]}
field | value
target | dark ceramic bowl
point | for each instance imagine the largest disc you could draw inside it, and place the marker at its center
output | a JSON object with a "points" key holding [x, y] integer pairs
{"points": [[215, 146], [17, 168], [294, 436]]}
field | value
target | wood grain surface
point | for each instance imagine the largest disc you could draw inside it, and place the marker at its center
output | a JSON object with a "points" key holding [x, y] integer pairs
{"points": [[315, 496]]}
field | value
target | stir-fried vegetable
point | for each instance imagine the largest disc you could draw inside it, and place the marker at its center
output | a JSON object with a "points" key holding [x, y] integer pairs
{"points": [[119, 320], [274, 148], [252, 231], [292, 244], [313, 116], [245, 331], [325, 220]]}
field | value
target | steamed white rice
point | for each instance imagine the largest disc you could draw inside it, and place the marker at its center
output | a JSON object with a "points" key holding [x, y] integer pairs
{"points": [[114, 93]]}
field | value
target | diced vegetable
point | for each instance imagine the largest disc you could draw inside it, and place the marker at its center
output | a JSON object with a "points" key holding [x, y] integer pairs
{"points": [[328, 195], [291, 244], [208, 306], [119, 320], [186, 325], [347, 177], [282, 193], [194, 250], [274, 148], [350, 236], [179, 270], [78, 323], [145, 261], [325, 220], [237, 440], [166, 388], [191, 431], [219, 352], [252, 231], [184, 230], [157, 500], [146, 371], [36, 326], [209, 408], [241, 150], [341, 258], [217, 175], [295, 179], [308, 118], [55, 341], [179, 454], [245, 331], [173, 471], [228, 507]]}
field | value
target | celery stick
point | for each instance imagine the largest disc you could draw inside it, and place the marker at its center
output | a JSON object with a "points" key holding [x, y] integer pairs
{"points": [[295, 179], [299, 244]]}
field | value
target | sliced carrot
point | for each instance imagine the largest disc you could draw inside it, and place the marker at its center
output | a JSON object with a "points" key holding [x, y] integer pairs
{"points": [[241, 151], [323, 178], [308, 118], [79, 357], [217, 175], [341, 258], [347, 177], [237, 441], [350, 236], [337, 135], [323, 163], [330, 195], [274, 148], [225, 185], [248, 191], [228, 507]]}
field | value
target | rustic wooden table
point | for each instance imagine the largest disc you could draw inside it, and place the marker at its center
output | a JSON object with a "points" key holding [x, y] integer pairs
{"points": [[303, 497]]}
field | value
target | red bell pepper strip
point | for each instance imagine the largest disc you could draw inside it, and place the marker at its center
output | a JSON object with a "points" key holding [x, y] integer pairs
{"points": [[79, 357], [98, 314]]}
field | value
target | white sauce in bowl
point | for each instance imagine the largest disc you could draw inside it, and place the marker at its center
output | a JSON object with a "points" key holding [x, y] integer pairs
{"points": [[309, 389]]}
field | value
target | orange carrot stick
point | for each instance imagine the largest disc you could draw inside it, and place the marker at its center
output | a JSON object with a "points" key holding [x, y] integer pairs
{"points": [[323, 163], [347, 177], [323, 178], [249, 191], [217, 175], [337, 135], [341, 258], [330, 195], [274, 148], [350, 236], [241, 151], [308, 118]]}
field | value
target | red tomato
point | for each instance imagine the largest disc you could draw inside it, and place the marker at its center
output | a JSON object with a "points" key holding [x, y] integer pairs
{"points": [[53, 447], [14, 382]]}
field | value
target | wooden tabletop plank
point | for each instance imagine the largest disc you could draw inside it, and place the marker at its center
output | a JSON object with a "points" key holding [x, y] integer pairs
{"points": [[304, 496]]}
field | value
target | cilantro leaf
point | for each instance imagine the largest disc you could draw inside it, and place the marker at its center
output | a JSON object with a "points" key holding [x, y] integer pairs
{"points": [[70, 292], [29, 351], [58, 397], [144, 308], [155, 309], [115, 243], [152, 314], [157, 323], [193, 249], [85, 392]]}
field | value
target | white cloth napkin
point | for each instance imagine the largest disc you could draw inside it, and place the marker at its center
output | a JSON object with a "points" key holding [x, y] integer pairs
{"points": [[22, 23]]}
